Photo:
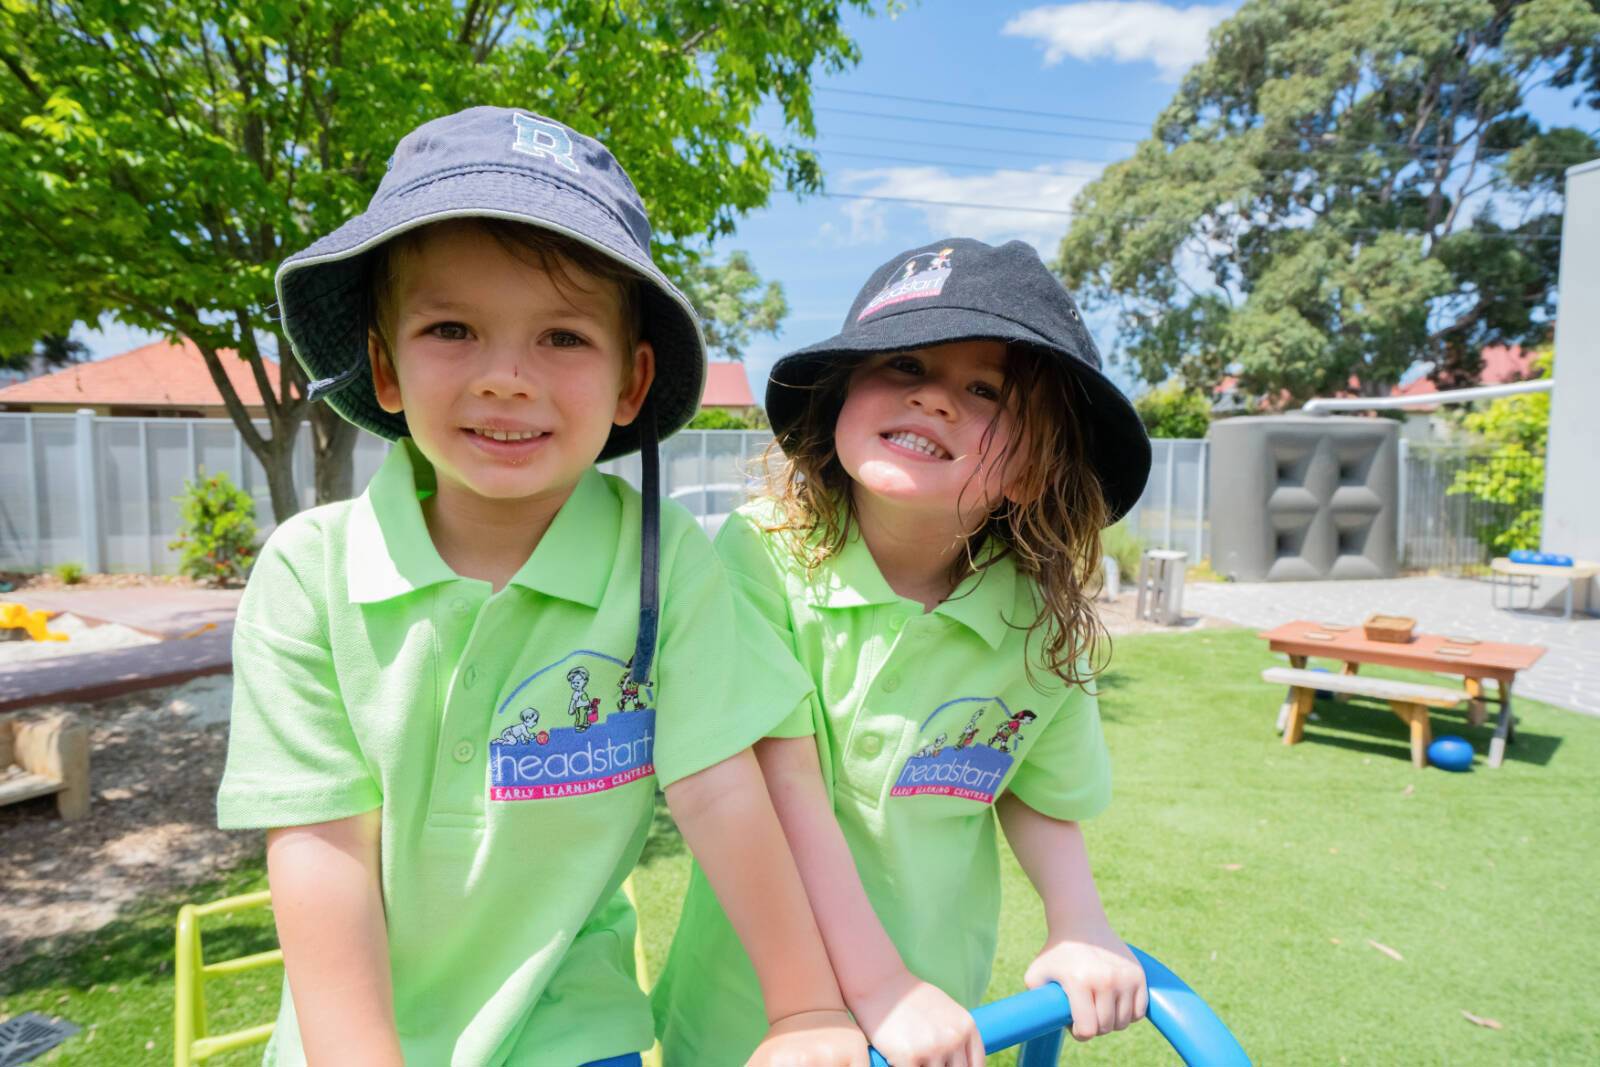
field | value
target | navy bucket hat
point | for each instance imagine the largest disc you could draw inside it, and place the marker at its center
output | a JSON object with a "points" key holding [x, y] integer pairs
{"points": [[500, 163], [959, 289]]}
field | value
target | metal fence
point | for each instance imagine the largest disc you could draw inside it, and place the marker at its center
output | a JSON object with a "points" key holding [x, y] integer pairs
{"points": [[1455, 500], [101, 492]]}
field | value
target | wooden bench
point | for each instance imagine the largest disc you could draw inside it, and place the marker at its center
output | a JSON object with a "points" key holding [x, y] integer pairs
{"points": [[45, 754], [1408, 700]]}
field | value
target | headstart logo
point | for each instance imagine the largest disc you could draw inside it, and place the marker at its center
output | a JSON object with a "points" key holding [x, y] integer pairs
{"points": [[918, 278], [599, 751], [967, 768]]}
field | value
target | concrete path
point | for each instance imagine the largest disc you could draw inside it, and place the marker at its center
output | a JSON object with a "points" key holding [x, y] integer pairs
{"points": [[1567, 676], [158, 610]]}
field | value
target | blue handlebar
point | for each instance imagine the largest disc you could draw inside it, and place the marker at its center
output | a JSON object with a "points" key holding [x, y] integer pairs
{"points": [[1037, 1020]]}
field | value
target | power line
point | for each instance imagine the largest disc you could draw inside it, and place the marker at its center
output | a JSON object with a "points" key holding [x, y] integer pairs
{"points": [[1033, 113], [988, 107], [1036, 132], [1144, 218]]}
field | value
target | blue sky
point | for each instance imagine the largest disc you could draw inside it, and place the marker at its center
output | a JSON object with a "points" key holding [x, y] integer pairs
{"points": [[1014, 106]]}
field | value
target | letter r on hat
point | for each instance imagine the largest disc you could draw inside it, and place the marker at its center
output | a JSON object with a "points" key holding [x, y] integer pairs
{"points": [[536, 137]]}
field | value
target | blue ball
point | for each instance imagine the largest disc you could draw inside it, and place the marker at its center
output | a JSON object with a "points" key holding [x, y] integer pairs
{"points": [[1451, 753], [1323, 694]]}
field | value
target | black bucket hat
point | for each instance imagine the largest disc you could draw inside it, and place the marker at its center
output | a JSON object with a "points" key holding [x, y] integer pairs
{"points": [[487, 162], [959, 289]]}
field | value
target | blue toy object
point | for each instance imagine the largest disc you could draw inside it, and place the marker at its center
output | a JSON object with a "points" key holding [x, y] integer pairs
{"points": [[1451, 753], [1541, 559], [1323, 694], [1037, 1020]]}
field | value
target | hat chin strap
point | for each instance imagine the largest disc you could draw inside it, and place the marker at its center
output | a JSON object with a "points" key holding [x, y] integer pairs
{"points": [[644, 649]]}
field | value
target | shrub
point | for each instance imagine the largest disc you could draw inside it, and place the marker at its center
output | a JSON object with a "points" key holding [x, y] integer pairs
{"points": [[723, 419], [217, 530], [1170, 410], [1509, 481], [1121, 544], [69, 573]]}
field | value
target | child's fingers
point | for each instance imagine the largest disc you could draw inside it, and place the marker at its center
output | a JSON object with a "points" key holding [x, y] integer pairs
{"points": [[975, 1054], [1085, 1017], [1141, 1005]]}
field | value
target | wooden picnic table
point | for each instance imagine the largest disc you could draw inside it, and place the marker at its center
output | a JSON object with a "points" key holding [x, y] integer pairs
{"points": [[1474, 661]]}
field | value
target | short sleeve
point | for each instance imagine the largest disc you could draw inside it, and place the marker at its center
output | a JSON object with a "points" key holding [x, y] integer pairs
{"points": [[758, 583], [293, 758], [724, 682], [1065, 772]]}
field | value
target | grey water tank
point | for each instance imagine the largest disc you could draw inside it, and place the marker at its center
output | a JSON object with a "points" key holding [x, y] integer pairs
{"points": [[1302, 497]]}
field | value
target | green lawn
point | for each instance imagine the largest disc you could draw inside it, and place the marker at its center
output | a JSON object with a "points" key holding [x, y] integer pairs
{"points": [[1259, 873]]}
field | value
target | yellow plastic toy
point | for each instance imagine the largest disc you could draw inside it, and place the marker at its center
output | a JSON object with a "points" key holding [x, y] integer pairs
{"points": [[14, 616], [191, 1043]]}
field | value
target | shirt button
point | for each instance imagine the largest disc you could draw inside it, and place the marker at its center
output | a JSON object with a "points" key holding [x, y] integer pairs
{"points": [[459, 607], [463, 751], [871, 745], [471, 677], [891, 683]]}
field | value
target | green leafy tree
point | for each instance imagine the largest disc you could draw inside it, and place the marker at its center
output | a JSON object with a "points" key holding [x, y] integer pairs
{"points": [[216, 530], [1341, 188], [732, 303], [1509, 474], [159, 159], [1172, 410], [47, 353]]}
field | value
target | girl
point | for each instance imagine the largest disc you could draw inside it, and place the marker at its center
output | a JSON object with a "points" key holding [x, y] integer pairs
{"points": [[951, 457]]}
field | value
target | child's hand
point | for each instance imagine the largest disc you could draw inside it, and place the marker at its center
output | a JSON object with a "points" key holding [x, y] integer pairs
{"points": [[812, 1039], [1103, 981], [914, 1024]]}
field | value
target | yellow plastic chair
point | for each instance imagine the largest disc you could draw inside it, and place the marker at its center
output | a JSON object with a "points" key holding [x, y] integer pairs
{"points": [[191, 1042]]}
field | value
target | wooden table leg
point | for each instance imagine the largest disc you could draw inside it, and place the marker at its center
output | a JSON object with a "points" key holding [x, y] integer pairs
{"points": [[1299, 709], [1415, 716], [1299, 664], [1505, 729], [1477, 712], [1350, 668]]}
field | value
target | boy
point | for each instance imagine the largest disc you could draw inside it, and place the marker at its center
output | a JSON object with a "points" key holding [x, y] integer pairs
{"points": [[446, 887]]}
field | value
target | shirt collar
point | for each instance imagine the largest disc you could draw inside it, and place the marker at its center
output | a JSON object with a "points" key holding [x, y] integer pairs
{"points": [[389, 552], [981, 603]]}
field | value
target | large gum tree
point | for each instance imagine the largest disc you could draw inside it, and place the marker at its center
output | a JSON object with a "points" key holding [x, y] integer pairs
{"points": [[158, 158]]}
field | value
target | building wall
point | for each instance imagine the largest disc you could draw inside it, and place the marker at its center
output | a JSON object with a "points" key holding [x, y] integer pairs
{"points": [[1571, 504]]}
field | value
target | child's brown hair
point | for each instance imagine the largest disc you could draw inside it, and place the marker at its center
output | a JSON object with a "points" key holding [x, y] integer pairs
{"points": [[1049, 525]]}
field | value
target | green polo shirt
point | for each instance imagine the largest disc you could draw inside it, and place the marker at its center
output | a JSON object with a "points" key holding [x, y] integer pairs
{"points": [[924, 719], [513, 758]]}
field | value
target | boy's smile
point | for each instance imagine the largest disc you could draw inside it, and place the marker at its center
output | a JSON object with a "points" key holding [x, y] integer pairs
{"points": [[918, 430], [510, 378]]}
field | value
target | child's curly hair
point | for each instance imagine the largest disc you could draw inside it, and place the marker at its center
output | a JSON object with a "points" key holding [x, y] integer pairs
{"points": [[1053, 534]]}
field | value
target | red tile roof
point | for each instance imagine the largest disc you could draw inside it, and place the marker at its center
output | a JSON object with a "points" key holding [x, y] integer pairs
{"points": [[1501, 364], [726, 387], [159, 375]]}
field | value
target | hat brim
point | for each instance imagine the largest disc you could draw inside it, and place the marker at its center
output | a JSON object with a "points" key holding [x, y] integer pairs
{"points": [[1119, 448], [323, 300]]}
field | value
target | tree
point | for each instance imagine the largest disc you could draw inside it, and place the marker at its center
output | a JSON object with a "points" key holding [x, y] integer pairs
{"points": [[1509, 475], [1171, 410], [47, 353], [1341, 188], [159, 159], [732, 304]]}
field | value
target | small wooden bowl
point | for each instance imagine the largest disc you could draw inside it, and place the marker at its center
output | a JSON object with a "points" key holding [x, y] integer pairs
{"points": [[1393, 628]]}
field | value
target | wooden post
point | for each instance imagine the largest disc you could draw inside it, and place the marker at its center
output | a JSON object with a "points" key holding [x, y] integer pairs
{"points": [[1416, 717], [1299, 711], [1476, 711]]}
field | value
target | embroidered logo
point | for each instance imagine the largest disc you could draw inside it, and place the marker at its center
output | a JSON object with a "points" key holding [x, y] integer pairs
{"points": [[918, 278], [532, 760], [967, 769], [536, 137]]}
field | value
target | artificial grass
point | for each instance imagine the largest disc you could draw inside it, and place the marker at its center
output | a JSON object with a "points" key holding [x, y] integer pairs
{"points": [[1258, 872]]}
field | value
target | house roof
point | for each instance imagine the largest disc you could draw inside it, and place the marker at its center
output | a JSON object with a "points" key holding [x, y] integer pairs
{"points": [[726, 387], [1501, 364], [158, 375]]}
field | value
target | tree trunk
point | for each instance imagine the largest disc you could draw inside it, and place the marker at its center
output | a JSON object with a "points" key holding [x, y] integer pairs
{"points": [[334, 441], [278, 462]]}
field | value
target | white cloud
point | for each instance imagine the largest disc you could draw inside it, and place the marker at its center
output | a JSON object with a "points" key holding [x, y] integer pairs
{"points": [[1047, 188], [1128, 31]]}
